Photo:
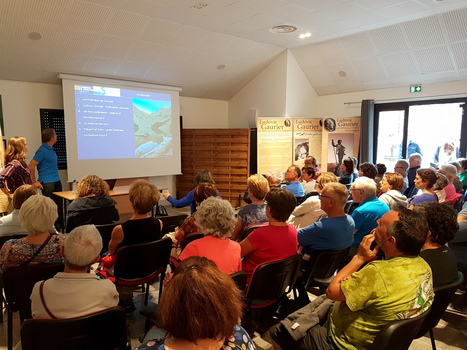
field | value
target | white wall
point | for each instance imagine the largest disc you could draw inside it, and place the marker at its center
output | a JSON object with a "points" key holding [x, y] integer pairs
{"points": [[201, 113]]}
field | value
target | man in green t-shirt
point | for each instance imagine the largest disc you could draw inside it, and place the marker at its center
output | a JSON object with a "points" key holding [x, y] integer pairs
{"points": [[382, 291]]}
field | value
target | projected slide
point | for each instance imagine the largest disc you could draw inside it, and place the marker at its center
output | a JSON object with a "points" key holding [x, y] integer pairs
{"points": [[118, 123]]}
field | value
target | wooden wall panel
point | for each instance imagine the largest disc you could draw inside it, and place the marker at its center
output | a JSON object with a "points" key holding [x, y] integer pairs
{"points": [[226, 152]]}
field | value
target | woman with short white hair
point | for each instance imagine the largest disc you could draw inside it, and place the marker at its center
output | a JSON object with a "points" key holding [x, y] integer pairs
{"points": [[216, 219], [37, 215]]}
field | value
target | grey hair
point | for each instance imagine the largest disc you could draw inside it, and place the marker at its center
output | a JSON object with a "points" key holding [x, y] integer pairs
{"points": [[274, 175], [38, 214], [215, 217], [82, 245], [366, 184], [449, 170]]}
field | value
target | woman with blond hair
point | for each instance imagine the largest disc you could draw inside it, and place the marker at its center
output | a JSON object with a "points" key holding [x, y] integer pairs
{"points": [[391, 185], [16, 171], [10, 224], [254, 213], [92, 205]]}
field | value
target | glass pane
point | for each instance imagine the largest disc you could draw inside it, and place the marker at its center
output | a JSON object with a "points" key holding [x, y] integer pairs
{"points": [[431, 126], [390, 135]]}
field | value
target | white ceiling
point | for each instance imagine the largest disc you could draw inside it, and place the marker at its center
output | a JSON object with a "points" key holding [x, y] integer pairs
{"points": [[374, 43]]}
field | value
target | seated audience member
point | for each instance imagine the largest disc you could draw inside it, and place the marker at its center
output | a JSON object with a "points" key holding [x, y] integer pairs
{"points": [[355, 167], [391, 186], [459, 186], [201, 176], [76, 291], [202, 191], [450, 172], [463, 172], [308, 179], [367, 299], [415, 162], [442, 226], [445, 153], [274, 178], [207, 319], [254, 213], [424, 181], [458, 245], [369, 211], [216, 219], [276, 241], [310, 210], [293, 185], [381, 171], [368, 170], [313, 162], [92, 205], [10, 224], [438, 188], [401, 168], [347, 172], [37, 216]]}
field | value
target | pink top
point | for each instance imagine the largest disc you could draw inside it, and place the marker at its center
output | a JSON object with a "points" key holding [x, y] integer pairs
{"points": [[270, 243], [224, 252], [451, 193]]}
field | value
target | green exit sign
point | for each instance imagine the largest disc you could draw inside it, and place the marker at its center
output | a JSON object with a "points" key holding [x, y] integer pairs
{"points": [[416, 88]]}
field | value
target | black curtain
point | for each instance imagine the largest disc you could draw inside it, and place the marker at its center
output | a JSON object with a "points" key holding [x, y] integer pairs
{"points": [[367, 132]]}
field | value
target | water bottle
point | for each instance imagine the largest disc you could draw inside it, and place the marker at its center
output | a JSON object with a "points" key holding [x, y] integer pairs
{"points": [[73, 187]]}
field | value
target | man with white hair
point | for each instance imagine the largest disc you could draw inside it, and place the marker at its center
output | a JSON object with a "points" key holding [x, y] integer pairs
{"points": [[401, 168], [76, 291], [370, 210], [415, 163]]}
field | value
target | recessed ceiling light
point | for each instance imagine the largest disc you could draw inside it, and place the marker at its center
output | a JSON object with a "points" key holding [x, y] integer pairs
{"points": [[304, 35], [35, 36], [342, 74], [283, 29], [221, 66], [199, 5]]}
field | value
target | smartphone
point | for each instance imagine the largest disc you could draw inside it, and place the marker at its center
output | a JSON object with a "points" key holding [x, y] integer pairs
{"points": [[373, 245]]}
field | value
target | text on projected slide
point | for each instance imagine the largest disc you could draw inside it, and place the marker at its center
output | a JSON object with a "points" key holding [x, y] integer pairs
{"points": [[120, 123]]}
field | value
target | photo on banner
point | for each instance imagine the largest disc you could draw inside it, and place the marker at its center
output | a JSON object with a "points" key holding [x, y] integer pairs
{"points": [[341, 139], [307, 135], [275, 144]]}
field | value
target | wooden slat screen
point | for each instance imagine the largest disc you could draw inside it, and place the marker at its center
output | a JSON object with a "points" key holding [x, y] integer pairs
{"points": [[226, 152]]}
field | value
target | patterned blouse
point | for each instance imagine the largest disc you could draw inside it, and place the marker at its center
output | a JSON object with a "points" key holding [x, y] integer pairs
{"points": [[16, 252], [14, 175]]}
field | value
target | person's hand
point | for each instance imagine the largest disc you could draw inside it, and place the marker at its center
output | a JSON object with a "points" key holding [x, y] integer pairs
{"points": [[364, 252], [166, 194], [178, 234], [168, 277], [38, 185]]}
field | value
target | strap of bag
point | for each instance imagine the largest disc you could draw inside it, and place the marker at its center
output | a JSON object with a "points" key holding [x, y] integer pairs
{"points": [[41, 292], [38, 250]]}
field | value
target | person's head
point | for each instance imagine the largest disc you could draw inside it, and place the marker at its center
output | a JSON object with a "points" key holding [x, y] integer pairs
{"points": [[143, 196], [449, 147], [368, 170], [293, 173], [92, 185], [425, 179], [274, 177], [203, 191], [311, 161], [82, 247], [257, 186], [463, 163], [49, 135], [323, 179], [401, 232], [333, 196], [280, 204], [381, 169], [308, 173], [16, 149], [38, 214], [457, 165], [22, 193], [415, 160], [392, 181], [347, 166], [215, 217], [441, 182], [442, 221], [362, 188], [211, 311], [203, 176], [449, 171], [401, 167]]}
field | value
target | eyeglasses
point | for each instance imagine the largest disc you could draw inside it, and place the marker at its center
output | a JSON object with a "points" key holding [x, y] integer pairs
{"points": [[322, 196]]}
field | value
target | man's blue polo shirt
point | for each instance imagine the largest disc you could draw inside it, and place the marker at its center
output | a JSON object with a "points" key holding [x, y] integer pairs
{"points": [[48, 164], [296, 188], [365, 216]]}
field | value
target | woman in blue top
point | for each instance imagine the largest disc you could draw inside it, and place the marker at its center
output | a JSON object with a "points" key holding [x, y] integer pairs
{"points": [[425, 180], [201, 176]]}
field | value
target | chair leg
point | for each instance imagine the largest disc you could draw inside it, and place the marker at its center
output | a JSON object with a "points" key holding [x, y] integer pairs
{"points": [[10, 330], [432, 336], [2, 302], [146, 294]]}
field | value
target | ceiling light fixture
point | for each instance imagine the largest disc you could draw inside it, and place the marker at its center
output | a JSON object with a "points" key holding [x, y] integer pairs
{"points": [[199, 5], [304, 35], [342, 73], [35, 36], [283, 29], [221, 66]]}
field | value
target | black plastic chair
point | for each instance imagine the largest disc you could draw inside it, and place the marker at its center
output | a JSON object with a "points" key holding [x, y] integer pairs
{"points": [[190, 238], [240, 278], [443, 296], [170, 222], [103, 330], [398, 335], [18, 282], [106, 234], [142, 263], [247, 230]]}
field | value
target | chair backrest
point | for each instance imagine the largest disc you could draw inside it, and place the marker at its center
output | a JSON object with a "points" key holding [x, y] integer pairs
{"points": [[139, 261], [190, 238], [247, 230], [323, 264], [398, 335], [169, 222], [103, 330], [18, 282], [441, 301], [270, 280], [240, 279], [106, 233]]}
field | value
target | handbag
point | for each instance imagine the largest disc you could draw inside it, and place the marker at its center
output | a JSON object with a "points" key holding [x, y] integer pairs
{"points": [[160, 211]]}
